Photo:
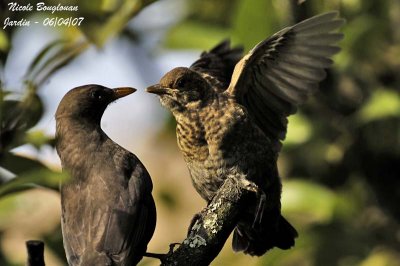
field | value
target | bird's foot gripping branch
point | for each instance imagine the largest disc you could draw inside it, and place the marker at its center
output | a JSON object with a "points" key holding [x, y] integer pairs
{"points": [[211, 228]]}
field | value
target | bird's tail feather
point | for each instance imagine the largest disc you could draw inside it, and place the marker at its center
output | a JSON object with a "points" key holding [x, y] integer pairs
{"points": [[256, 242]]}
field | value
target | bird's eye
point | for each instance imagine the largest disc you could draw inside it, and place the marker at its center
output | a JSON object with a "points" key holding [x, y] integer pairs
{"points": [[96, 95], [180, 83]]}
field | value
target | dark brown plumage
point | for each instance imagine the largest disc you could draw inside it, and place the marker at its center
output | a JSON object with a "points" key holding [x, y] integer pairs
{"points": [[231, 116], [108, 213]]}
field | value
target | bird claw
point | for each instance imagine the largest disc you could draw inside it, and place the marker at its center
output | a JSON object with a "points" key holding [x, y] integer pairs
{"points": [[162, 257], [248, 185], [261, 197], [159, 256], [172, 247]]}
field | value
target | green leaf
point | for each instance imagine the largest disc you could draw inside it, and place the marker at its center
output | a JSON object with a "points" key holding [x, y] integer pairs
{"points": [[10, 133], [38, 138], [19, 164], [383, 103], [3, 94], [66, 52], [17, 117], [314, 202], [39, 178], [254, 21], [22, 114], [362, 29], [299, 130], [4, 42], [8, 206], [50, 48], [192, 34], [382, 256]]}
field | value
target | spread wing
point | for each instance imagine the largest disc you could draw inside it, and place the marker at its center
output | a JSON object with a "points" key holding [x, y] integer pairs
{"points": [[282, 71], [217, 64]]}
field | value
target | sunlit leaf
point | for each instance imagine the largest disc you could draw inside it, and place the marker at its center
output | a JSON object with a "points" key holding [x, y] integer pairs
{"points": [[299, 130], [31, 109], [38, 138], [65, 54], [360, 30], [314, 202], [4, 43], [8, 206], [382, 257], [254, 21], [352, 5], [9, 124], [51, 48], [209, 11], [383, 103], [99, 32]]}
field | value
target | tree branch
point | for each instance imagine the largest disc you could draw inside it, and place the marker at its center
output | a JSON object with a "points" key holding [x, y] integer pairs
{"points": [[207, 235], [211, 227]]}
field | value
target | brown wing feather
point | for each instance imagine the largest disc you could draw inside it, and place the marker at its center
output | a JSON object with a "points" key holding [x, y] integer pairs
{"points": [[282, 71], [117, 227], [217, 64], [132, 222]]}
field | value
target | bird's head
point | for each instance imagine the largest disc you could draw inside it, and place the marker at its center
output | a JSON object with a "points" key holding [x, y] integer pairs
{"points": [[181, 90], [89, 101]]}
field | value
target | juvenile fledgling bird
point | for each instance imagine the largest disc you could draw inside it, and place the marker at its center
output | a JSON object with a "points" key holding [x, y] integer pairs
{"points": [[232, 115], [108, 212]]}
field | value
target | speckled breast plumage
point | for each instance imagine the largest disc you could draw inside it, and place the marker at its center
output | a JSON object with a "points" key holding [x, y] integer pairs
{"points": [[219, 141]]}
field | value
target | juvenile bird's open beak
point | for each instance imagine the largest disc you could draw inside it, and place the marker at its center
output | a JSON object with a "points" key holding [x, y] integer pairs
{"points": [[123, 91], [157, 89]]}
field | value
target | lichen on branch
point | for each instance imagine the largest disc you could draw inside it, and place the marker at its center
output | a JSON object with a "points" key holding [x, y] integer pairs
{"points": [[211, 228]]}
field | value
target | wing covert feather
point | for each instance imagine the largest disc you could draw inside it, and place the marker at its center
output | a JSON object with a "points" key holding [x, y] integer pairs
{"points": [[282, 71]]}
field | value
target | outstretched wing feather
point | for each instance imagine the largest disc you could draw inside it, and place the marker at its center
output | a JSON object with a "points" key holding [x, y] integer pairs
{"points": [[281, 72]]}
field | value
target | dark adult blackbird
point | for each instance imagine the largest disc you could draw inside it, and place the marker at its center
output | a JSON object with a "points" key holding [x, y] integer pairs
{"points": [[108, 212], [231, 116]]}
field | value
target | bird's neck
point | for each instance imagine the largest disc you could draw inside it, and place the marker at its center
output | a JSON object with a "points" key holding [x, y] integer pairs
{"points": [[190, 136], [76, 140], [71, 125]]}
